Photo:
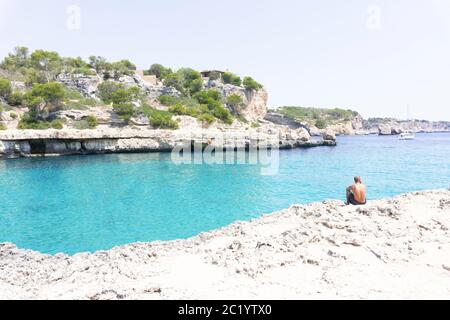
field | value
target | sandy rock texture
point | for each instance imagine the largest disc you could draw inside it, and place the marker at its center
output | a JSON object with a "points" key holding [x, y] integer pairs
{"points": [[395, 248]]}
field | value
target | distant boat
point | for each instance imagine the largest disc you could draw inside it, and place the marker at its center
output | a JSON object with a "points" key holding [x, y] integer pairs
{"points": [[407, 136]]}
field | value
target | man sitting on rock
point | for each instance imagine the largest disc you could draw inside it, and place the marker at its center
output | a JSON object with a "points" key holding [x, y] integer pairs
{"points": [[356, 194]]}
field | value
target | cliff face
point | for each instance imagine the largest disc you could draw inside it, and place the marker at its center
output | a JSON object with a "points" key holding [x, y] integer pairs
{"points": [[254, 102], [394, 127], [354, 125], [25, 143]]}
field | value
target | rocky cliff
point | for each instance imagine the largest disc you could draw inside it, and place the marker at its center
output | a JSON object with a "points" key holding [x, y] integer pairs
{"points": [[348, 123], [254, 102], [352, 126], [394, 127], [104, 139]]}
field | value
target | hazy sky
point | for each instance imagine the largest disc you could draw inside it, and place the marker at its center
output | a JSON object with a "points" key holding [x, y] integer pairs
{"points": [[372, 56]]}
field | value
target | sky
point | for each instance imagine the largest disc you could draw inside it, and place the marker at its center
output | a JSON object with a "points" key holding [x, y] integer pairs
{"points": [[376, 57]]}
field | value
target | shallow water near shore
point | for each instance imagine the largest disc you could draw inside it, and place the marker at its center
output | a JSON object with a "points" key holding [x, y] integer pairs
{"points": [[88, 203]]}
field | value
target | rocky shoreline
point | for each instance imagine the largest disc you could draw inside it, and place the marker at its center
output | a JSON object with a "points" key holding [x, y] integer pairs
{"points": [[26, 143], [357, 125], [395, 248]]}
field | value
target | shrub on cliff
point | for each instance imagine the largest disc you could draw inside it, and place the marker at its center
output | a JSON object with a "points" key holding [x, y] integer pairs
{"points": [[124, 110], [207, 118], [231, 78], [89, 122], [17, 60], [52, 93], [167, 100], [186, 80], [212, 100], [321, 124], [214, 75], [92, 122], [98, 63], [235, 102], [5, 88], [77, 66], [250, 84], [27, 121], [15, 99], [48, 63], [178, 109], [208, 97], [2, 126], [223, 114], [113, 92], [106, 90], [121, 68], [159, 119], [44, 98], [57, 124]]}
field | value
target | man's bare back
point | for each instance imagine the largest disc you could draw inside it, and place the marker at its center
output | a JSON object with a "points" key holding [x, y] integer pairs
{"points": [[356, 194]]}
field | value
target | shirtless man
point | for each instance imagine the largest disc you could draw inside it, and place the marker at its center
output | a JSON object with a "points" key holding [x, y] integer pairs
{"points": [[356, 194]]}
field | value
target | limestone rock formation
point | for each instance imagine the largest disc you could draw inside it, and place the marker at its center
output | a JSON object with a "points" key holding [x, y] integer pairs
{"points": [[86, 85], [254, 101], [320, 250], [329, 135]]}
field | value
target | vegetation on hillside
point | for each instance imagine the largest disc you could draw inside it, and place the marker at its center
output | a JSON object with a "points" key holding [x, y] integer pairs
{"points": [[43, 92], [319, 117]]}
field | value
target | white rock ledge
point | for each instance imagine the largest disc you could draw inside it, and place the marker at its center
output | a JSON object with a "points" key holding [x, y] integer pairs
{"points": [[392, 248], [25, 143]]}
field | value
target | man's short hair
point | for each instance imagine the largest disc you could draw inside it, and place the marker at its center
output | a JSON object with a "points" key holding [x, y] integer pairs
{"points": [[358, 179]]}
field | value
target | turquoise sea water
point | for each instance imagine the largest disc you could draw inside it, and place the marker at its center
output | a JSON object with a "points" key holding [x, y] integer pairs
{"points": [[89, 203]]}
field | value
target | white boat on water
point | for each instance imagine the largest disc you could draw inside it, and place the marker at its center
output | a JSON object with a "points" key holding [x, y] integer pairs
{"points": [[407, 136]]}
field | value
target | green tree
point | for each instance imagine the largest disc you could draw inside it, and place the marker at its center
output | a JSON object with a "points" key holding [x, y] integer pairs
{"points": [[16, 61], [211, 99], [231, 78], [162, 120], [186, 80], [98, 63], [49, 63], [124, 110], [175, 81], [214, 75], [159, 71], [250, 84], [122, 68], [76, 65], [5, 88], [121, 96], [44, 98], [106, 90], [33, 76], [191, 80], [321, 124], [15, 98]]}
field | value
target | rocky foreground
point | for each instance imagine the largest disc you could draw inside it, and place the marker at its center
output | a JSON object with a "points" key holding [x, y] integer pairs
{"points": [[393, 248]]}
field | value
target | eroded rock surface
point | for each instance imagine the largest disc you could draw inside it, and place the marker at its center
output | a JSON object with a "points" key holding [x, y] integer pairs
{"points": [[395, 248]]}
